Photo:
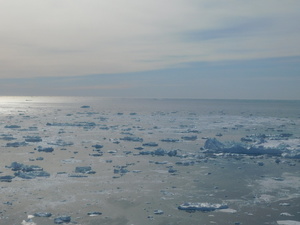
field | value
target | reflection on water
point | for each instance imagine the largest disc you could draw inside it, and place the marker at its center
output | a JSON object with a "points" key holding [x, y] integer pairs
{"points": [[142, 158]]}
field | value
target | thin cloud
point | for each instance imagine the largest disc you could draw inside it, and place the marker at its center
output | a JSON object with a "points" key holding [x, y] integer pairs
{"points": [[100, 87], [239, 29]]}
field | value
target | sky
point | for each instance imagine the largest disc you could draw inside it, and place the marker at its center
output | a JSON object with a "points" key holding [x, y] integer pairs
{"points": [[208, 49]]}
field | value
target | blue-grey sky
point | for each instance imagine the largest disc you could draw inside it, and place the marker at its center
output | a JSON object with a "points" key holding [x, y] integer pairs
{"points": [[175, 49]]}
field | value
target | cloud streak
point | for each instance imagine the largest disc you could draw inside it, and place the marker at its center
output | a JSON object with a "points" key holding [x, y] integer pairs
{"points": [[275, 78]]}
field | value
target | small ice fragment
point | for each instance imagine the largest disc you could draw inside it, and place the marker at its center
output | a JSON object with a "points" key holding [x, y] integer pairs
{"points": [[158, 212], [94, 213]]}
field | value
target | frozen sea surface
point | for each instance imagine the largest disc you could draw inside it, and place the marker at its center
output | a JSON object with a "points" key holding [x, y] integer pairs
{"points": [[135, 161]]}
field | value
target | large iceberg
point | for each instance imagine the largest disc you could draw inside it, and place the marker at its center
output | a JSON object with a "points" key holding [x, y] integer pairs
{"points": [[212, 145], [188, 206]]}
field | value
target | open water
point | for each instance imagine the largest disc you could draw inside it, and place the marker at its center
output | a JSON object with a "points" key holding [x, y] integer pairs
{"points": [[146, 158]]}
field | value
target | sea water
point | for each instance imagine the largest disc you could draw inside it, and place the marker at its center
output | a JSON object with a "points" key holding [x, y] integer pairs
{"points": [[135, 177]]}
